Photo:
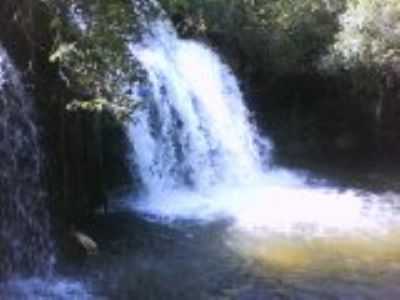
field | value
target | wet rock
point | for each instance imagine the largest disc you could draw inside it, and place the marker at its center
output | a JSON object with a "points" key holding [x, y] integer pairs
{"points": [[86, 242], [79, 244]]}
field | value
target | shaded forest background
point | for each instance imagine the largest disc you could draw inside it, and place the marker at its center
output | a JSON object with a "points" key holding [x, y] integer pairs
{"points": [[321, 76]]}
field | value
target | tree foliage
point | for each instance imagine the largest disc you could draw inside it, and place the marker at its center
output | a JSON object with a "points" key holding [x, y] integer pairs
{"points": [[280, 34], [91, 48], [369, 32]]}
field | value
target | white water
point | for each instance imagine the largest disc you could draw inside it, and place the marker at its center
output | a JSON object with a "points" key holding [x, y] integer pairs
{"points": [[200, 158], [192, 102], [39, 289], [24, 219]]}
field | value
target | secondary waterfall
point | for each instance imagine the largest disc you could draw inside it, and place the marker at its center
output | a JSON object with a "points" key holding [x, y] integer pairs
{"points": [[199, 157], [25, 247]]}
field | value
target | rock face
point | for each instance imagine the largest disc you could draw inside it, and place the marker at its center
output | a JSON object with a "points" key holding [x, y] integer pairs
{"points": [[65, 174], [78, 146]]}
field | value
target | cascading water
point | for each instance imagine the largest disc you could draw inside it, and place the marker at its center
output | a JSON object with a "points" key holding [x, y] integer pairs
{"points": [[26, 248], [193, 130], [199, 157], [24, 221]]}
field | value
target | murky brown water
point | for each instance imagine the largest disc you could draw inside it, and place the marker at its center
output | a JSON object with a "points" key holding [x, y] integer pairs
{"points": [[336, 255]]}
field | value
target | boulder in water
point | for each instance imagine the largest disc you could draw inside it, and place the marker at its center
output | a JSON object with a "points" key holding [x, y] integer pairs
{"points": [[85, 242], [79, 244]]}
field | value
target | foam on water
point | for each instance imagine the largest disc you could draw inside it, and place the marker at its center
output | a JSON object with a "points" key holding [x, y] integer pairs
{"points": [[40, 289], [278, 208]]}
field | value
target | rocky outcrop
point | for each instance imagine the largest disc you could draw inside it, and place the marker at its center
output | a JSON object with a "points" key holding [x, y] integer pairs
{"points": [[79, 146]]}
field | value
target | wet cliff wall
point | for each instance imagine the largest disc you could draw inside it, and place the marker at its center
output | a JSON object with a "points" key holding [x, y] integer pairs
{"points": [[85, 151]]}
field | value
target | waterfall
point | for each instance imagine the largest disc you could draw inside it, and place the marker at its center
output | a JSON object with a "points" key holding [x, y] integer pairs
{"points": [[193, 130], [199, 157], [25, 247]]}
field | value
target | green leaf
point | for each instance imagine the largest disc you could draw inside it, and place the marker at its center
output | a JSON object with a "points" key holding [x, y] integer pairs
{"points": [[62, 51]]}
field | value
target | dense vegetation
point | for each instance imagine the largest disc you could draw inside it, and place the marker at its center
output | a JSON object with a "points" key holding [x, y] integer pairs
{"points": [[322, 74]]}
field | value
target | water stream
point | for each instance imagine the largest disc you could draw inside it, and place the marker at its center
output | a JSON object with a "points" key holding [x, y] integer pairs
{"points": [[26, 249], [27, 244]]}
